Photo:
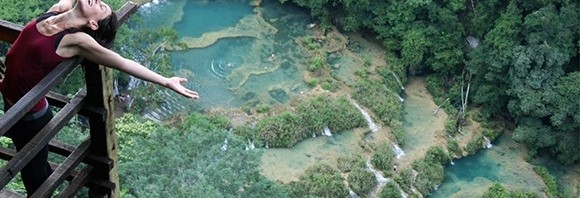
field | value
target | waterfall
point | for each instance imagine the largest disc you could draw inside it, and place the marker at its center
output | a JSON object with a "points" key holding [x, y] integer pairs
{"points": [[398, 151], [250, 145], [398, 96], [397, 78], [415, 174], [451, 162], [133, 83], [352, 194], [313, 134], [327, 132], [381, 180], [372, 126], [487, 142], [378, 175], [266, 145], [472, 41], [225, 145], [115, 88]]}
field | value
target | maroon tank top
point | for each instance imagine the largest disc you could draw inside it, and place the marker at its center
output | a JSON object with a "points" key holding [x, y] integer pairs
{"points": [[31, 57]]}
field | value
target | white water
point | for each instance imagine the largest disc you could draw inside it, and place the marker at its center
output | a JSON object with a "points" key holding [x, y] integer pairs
{"points": [[250, 146], [381, 180], [372, 126], [398, 151], [488, 143], [225, 145], [397, 78], [327, 132], [133, 83], [352, 194]]}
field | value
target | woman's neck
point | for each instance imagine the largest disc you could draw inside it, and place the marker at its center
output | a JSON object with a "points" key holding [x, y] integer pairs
{"points": [[55, 24]]}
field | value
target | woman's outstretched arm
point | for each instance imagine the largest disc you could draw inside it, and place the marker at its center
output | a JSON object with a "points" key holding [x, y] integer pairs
{"points": [[62, 6], [83, 45]]}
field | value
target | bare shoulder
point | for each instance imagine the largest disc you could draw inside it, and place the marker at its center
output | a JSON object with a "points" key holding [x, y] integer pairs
{"points": [[80, 39], [76, 44]]}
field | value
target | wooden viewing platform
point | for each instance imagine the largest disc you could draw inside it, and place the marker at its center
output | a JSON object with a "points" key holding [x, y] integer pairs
{"points": [[93, 163]]}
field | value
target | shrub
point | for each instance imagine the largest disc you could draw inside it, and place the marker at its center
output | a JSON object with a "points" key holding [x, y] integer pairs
{"points": [[436, 154], [474, 145], [390, 191], [548, 180], [404, 179], [454, 148], [430, 175], [373, 95], [284, 130], [384, 159], [361, 181], [320, 180], [496, 190], [346, 164], [336, 114]]}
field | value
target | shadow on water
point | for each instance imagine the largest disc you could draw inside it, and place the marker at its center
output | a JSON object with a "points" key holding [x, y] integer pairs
{"points": [[503, 163]]}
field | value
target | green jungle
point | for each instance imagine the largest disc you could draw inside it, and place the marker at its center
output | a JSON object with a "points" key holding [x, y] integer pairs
{"points": [[493, 67]]}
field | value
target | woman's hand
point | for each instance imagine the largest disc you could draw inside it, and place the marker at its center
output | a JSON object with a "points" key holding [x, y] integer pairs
{"points": [[175, 84]]}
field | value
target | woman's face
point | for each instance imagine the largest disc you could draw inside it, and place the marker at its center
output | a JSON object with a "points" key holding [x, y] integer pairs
{"points": [[94, 9]]}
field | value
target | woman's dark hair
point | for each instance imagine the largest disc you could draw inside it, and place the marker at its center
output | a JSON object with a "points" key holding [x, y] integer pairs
{"points": [[105, 34]]}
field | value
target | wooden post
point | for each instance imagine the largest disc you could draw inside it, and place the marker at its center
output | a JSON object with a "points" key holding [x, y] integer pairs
{"points": [[99, 81]]}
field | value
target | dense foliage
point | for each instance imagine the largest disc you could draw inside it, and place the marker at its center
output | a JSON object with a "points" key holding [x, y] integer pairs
{"points": [[320, 180], [390, 191], [384, 159], [312, 116], [192, 160], [361, 181], [520, 58], [496, 190]]}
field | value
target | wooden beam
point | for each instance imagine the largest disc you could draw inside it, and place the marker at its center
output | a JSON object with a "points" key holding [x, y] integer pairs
{"points": [[59, 100], [77, 183], [65, 150], [26, 103], [99, 83], [10, 194], [9, 31], [65, 168], [41, 139]]}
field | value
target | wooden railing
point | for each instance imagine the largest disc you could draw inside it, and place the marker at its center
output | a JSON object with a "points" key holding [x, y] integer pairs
{"points": [[97, 153]]}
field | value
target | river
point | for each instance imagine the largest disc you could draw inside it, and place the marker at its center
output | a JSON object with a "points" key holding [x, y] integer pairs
{"points": [[237, 54]]}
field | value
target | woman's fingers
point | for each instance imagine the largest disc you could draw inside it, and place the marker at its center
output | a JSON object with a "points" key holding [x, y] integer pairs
{"points": [[179, 88]]}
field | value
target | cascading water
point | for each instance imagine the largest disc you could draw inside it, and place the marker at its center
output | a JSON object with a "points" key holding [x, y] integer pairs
{"points": [[372, 126], [352, 194], [326, 132], [397, 78], [225, 145], [487, 143], [250, 146], [398, 151], [381, 180]]}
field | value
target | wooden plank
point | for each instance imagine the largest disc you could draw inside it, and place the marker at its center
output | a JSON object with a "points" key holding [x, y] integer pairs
{"points": [[9, 31], [65, 168], [65, 150], [24, 105], [99, 85], [24, 156], [59, 100], [10, 194], [77, 183]]}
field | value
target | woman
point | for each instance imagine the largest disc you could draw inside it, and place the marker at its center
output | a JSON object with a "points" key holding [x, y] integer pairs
{"points": [[86, 30]]}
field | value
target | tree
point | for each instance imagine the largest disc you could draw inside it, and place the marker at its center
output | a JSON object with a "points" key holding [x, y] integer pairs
{"points": [[194, 161]]}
